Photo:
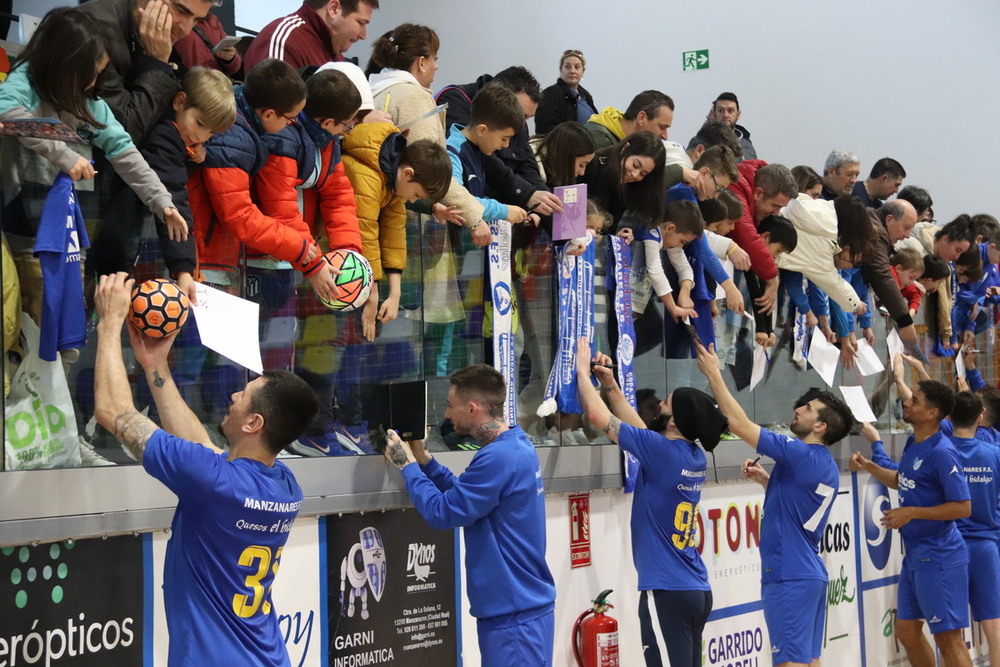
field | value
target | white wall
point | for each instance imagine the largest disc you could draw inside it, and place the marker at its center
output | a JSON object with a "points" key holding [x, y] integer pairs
{"points": [[911, 79], [611, 567]]}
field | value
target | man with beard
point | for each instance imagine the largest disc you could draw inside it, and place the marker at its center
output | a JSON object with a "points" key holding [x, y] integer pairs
{"points": [[726, 110], [222, 556], [500, 502], [933, 493], [798, 496], [676, 598]]}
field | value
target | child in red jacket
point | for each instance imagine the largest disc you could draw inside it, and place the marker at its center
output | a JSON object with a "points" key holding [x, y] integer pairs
{"points": [[224, 211], [907, 268], [305, 157]]}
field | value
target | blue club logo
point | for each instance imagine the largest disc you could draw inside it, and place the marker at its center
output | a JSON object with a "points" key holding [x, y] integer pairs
{"points": [[626, 350], [877, 537], [502, 298]]}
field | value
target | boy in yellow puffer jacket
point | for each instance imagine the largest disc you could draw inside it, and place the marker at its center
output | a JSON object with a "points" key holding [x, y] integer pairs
{"points": [[386, 173]]}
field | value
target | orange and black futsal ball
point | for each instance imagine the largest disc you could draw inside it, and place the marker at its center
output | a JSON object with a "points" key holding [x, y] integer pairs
{"points": [[159, 307]]}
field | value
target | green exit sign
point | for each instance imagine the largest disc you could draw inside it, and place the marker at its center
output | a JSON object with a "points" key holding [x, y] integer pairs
{"points": [[693, 60]]}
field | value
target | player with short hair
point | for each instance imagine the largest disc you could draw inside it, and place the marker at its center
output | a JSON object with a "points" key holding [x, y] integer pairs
{"points": [[799, 494], [933, 493], [500, 502], [235, 509]]}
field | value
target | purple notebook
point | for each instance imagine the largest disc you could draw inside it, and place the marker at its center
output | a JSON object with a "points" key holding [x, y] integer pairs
{"points": [[572, 222]]}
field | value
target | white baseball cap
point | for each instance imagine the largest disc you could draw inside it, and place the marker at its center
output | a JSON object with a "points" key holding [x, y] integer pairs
{"points": [[359, 80]]}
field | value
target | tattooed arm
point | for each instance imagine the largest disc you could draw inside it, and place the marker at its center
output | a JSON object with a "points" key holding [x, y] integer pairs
{"points": [[597, 412], [398, 452], [112, 394], [613, 393], [178, 419], [133, 430]]}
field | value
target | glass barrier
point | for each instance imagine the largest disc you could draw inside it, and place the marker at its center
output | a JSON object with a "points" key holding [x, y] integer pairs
{"points": [[442, 326]]}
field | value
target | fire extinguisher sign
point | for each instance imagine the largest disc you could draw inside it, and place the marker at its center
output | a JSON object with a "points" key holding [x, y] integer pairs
{"points": [[579, 530]]}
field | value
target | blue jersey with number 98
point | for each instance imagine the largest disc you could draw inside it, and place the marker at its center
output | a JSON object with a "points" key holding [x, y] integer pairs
{"points": [[664, 510]]}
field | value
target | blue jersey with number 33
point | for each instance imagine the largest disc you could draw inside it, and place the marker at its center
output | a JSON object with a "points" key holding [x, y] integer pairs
{"points": [[797, 504], [231, 524]]}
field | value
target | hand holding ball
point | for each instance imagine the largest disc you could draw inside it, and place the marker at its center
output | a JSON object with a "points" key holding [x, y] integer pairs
{"points": [[354, 283], [159, 308]]}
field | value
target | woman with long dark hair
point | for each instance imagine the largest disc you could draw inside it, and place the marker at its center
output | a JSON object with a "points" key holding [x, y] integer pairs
{"points": [[563, 154], [629, 177]]}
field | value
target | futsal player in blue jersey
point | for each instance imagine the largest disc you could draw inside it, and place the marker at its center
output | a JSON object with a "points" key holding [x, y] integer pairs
{"points": [[933, 494], [798, 496], [500, 502], [234, 508], [676, 597], [981, 530]]}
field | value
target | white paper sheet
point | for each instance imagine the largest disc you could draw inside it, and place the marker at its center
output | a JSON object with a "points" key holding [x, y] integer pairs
{"points": [[228, 325], [440, 109], [27, 24], [867, 360], [823, 356], [960, 362], [858, 403], [896, 346], [759, 366]]}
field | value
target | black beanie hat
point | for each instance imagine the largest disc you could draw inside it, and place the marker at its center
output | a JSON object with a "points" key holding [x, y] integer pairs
{"points": [[698, 417]]}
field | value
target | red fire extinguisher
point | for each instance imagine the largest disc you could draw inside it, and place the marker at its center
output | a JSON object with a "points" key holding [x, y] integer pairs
{"points": [[596, 637]]}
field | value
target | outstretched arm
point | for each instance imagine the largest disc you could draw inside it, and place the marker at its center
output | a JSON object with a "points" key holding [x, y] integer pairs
{"points": [[899, 374], [597, 413], [601, 366], [178, 419], [888, 477], [739, 423], [114, 408]]}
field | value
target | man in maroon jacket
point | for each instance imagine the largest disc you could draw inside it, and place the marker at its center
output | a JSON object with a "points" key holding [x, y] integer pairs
{"points": [[764, 189], [318, 33]]}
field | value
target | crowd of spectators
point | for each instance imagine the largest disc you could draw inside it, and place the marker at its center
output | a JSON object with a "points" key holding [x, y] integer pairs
{"points": [[250, 183]]}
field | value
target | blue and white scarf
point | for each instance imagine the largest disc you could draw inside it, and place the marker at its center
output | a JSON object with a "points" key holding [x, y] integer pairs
{"points": [[503, 314], [576, 320], [617, 283]]}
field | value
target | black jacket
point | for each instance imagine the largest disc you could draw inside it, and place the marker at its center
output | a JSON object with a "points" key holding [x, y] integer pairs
{"points": [[138, 88], [459, 100], [877, 273], [861, 192], [518, 156], [558, 105], [116, 247], [602, 192]]}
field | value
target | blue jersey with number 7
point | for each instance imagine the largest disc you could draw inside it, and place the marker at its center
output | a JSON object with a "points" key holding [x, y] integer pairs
{"points": [[797, 505], [231, 523]]}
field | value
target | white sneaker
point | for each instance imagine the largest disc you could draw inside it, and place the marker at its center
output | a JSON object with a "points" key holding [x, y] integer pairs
{"points": [[90, 458]]}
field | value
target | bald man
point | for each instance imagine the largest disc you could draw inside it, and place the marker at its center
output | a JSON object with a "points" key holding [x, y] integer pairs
{"points": [[900, 222], [893, 221]]}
